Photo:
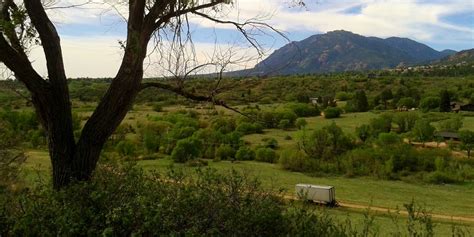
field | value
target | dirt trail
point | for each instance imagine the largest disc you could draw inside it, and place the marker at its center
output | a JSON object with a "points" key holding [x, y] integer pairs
{"points": [[386, 210]]}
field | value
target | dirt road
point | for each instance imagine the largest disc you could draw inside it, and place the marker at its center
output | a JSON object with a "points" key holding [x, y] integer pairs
{"points": [[386, 210]]}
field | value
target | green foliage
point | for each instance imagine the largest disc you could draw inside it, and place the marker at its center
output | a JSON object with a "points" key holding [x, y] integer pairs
{"points": [[225, 152], [249, 128], [451, 125], [343, 96], [440, 177], [423, 131], [429, 104], [388, 139], [284, 124], [186, 149], [301, 123], [359, 103], [407, 102], [467, 141], [151, 141], [445, 101], [123, 201], [296, 161], [381, 124], [405, 121], [326, 143], [270, 143], [266, 155], [126, 148], [157, 107], [304, 109], [223, 125], [332, 112], [245, 153], [363, 132]]}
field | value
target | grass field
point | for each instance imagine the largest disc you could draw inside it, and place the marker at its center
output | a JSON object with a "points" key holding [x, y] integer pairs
{"points": [[455, 200], [443, 199]]}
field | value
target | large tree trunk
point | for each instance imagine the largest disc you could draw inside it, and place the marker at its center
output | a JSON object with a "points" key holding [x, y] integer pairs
{"points": [[76, 161]]}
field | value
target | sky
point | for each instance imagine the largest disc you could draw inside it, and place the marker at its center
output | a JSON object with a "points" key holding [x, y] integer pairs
{"points": [[90, 34]]}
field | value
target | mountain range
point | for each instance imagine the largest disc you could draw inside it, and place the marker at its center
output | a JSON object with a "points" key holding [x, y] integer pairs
{"points": [[339, 51], [465, 56]]}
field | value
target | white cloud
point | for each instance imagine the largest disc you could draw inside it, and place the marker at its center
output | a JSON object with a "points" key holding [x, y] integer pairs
{"points": [[100, 56], [383, 18]]}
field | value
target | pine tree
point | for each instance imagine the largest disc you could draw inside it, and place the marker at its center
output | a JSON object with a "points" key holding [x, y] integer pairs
{"points": [[445, 101]]}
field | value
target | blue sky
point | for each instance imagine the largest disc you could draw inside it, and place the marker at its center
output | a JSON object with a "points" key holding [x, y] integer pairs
{"points": [[90, 34]]}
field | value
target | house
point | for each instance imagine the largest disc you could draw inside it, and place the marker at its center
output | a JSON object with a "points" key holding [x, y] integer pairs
{"points": [[457, 106], [446, 135], [467, 107]]}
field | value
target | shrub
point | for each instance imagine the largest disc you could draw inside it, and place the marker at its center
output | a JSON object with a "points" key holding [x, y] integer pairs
{"points": [[186, 149], [363, 132], [284, 124], [270, 142], [301, 123], [332, 112], [126, 148], [429, 104], [126, 202], [157, 107], [304, 109], [451, 125], [225, 152], [343, 96], [296, 161], [151, 141], [407, 102], [265, 155], [246, 128], [245, 153], [439, 177]]}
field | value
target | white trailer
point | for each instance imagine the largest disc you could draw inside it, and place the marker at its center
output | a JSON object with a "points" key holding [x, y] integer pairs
{"points": [[317, 193]]}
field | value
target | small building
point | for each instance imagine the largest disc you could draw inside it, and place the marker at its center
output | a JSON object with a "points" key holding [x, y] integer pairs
{"points": [[446, 135], [455, 106], [467, 107]]}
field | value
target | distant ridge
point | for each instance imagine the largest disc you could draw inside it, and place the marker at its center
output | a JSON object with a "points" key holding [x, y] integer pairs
{"points": [[339, 51], [465, 56]]}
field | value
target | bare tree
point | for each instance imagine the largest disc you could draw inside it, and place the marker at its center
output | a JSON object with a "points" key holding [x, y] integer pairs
{"points": [[27, 22]]}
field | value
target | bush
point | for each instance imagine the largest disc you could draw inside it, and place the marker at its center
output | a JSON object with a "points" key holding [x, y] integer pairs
{"points": [[270, 142], [246, 128], [439, 177], [157, 107], [304, 109], [332, 112], [265, 155], [126, 148], [245, 153], [151, 141], [123, 201], [301, 123], [343, 96], [225, 152], [429, 104], [296, 161], [407, 102], [284, 124], [186, 149]]}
